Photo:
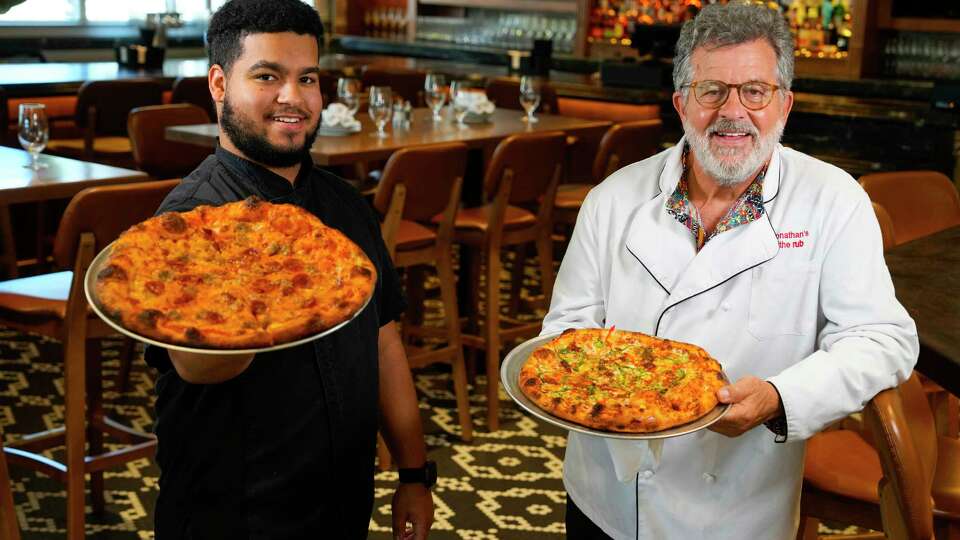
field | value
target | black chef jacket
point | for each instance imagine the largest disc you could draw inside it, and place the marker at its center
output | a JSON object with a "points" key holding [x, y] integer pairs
{"points": [[286, 449]]}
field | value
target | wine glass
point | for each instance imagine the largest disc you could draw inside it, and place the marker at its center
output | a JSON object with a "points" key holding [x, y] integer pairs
{"points": [[380, 108], [435, 95], [348, 92], [458, 90], [529, 96], [33, 131]]}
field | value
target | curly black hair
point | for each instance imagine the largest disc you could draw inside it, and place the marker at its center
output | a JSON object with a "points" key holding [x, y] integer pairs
{"points": [[239, 18]]}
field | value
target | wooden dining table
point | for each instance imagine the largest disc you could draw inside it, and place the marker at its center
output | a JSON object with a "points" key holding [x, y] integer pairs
{"points": [[60, 178], [926, 275], [363, 146]]}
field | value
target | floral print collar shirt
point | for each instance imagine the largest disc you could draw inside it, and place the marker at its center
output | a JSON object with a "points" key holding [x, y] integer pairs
{"points": [[749, 207]]}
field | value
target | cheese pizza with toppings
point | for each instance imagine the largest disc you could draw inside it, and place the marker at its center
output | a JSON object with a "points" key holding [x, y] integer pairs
{"points": [[248, 274], [614, 380]]}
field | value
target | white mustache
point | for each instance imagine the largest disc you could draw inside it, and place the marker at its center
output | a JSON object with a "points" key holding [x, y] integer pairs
{"points": [[726, 125]]}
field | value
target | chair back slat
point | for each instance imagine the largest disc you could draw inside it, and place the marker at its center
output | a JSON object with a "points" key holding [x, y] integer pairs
{"points": [[920, 203], [532, 158], [152, 152], [113, 100], [428, 172], [106, 212], [624, 144], [195, 91]]}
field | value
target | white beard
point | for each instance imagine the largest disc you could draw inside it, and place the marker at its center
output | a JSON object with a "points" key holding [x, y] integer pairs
{"points": [[724, 164]]}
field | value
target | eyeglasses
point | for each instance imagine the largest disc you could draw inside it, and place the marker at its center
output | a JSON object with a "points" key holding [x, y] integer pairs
{"points": [[754, 95]]}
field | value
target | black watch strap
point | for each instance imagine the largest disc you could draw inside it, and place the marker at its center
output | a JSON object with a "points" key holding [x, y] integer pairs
{"points": [[426, 475], [778, 424]]}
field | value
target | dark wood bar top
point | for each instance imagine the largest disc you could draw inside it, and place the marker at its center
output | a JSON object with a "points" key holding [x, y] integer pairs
{"points": [[926, 274]]}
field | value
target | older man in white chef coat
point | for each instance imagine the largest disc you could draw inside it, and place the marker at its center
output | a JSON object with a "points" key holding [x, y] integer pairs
{"points": [[768, 258]]}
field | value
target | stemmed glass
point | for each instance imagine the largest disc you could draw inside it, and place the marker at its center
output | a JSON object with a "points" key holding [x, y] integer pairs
{"points": [[380, 109], [529, 97], [348, 92], [435, 94], [33, 131], [458, 91]]}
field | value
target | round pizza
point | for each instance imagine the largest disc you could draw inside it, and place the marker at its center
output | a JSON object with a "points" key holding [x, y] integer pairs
{"points": [[248, 274], [613, 380]]}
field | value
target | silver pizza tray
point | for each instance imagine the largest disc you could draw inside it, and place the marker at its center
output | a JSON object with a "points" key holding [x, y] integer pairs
{"points": [[510, 375], [98, 264]]}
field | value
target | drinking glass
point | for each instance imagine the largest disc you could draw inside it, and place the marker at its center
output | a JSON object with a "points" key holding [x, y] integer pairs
{"points": [[33, 131], [435, 94], [380, 108], [348, 92], [458, 89], [529, 97]]}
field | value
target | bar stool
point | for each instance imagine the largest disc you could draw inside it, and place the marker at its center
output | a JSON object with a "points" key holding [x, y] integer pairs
{"points": [[519, 188], [195, 91], [102, 108], [54, 305], [152, 152], [419, 212], [620, 146], [8, 514]]}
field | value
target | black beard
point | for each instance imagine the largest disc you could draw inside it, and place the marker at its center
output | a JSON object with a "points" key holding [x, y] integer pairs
{"points": [[255, 146]]}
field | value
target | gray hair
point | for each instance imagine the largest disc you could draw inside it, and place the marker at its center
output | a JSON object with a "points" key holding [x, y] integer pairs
{"points": [[721, 25]]}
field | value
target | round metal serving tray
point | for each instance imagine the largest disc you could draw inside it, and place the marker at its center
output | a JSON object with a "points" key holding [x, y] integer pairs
{"points": [[510, 375], [100, 261]]}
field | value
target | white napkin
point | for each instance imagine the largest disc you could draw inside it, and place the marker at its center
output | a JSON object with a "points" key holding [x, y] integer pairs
{"points": [[338, 115], [631, 457], [476, 102]]}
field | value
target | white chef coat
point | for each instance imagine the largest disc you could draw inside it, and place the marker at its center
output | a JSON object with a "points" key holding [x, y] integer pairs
{"points": [[800, 297]]}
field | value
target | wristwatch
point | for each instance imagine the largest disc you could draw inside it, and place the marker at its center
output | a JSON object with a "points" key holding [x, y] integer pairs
{"points": [[426, 475]]}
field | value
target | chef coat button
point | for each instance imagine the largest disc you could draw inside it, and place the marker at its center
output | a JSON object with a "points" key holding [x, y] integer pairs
{"points": [[648, 474], [709, 478], [725, 306]]}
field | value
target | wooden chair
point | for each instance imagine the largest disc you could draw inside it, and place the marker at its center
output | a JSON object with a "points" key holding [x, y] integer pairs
{"points": [[195, 91], [886, 226], [919, 202], [152, 152], [8, 513], [505, 93], [519, 187], [405, 83], [54, 305], [102, 108], [905, 481], [622, 145], [419, 212]]}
